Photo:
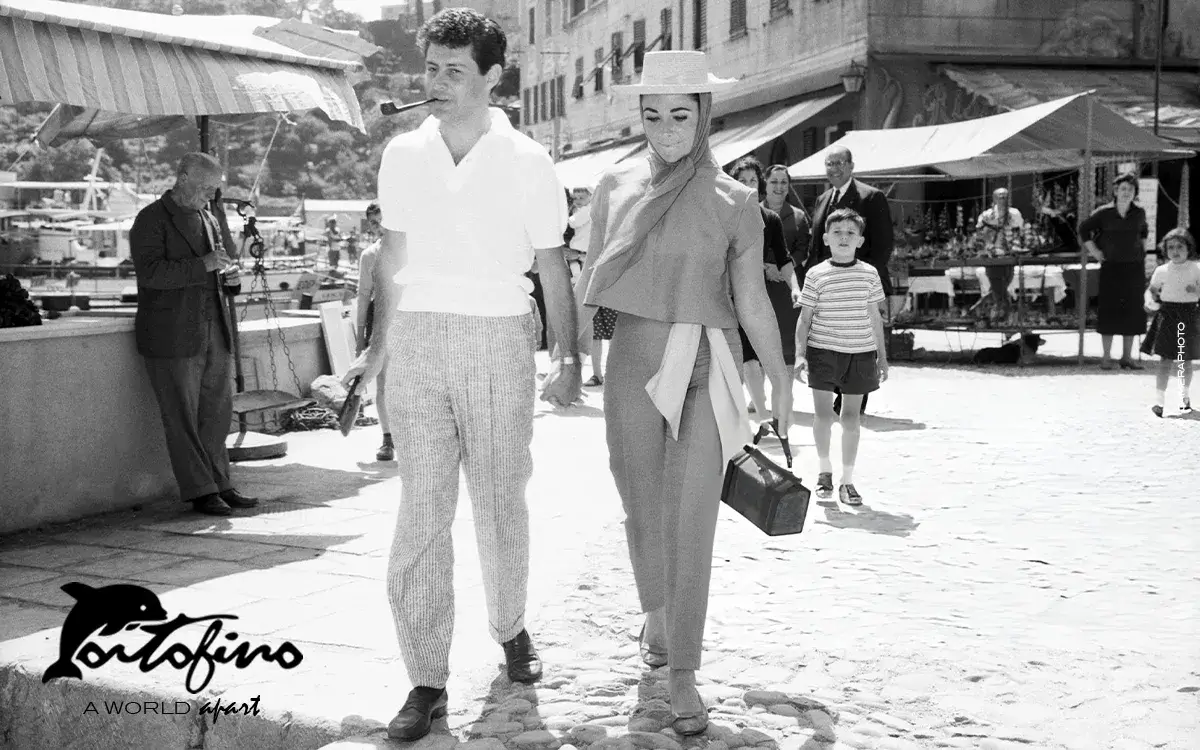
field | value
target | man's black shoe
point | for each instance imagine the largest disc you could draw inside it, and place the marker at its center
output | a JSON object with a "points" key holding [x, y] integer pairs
{"points": [[212, 505], [424, 704], [235, 499], [523, 662]]}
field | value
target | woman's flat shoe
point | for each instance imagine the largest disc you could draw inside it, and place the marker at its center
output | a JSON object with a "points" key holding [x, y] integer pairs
{"points": [[651, 657], [691, 724], [594, 382], [1127, 364]]}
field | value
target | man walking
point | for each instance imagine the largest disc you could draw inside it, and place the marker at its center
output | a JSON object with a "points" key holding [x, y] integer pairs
{"points": [[468, 202], [183, 331], [878, 239], [368, 266]]}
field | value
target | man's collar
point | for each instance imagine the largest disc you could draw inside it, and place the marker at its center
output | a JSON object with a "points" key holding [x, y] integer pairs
{"points": [[172, 206], [498, 124]]}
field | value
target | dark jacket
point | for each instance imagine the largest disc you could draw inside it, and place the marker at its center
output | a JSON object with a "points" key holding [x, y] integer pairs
{"points": [[172, 282], [879, 241]]}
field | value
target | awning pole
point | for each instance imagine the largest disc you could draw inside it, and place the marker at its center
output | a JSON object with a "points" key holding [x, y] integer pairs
{"points": [[202, 124], [1087, 196]]}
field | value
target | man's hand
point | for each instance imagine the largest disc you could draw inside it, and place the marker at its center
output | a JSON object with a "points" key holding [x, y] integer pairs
{"points": [[368, 364], [796, 295], [801, 368], [772, 272], [563, 385], [231, 275], [883, 370], [215, 261]]}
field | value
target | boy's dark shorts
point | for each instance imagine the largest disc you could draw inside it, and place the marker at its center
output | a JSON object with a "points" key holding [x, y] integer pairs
{"points": [[852, 374]]}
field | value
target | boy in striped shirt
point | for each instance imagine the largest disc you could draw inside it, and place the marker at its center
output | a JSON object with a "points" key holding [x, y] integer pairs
{"points": [[839, 341]]}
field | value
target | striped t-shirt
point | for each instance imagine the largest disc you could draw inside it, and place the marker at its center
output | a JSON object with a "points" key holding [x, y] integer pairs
{"points": [[841, 298]]}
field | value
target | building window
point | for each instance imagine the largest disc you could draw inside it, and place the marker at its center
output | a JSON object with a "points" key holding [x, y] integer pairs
{"points": [[699, 24], [527, 100], [552, 95], [664, 22], [545, 102], [780, 8], [599, 69], [578, 92], [639, 44], [562, 96], [549, 13], [577, 7], [535, 104], [618, 58], [532, 25], [737, 17]]}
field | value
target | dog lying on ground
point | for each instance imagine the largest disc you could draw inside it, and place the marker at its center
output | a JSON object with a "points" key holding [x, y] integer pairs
{"points": [[1018, 350]]}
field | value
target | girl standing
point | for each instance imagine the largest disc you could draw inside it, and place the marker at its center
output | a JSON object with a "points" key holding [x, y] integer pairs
{"points": [[1174, 334]]}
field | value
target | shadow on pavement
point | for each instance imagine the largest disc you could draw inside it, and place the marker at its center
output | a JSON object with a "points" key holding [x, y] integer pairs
{"points": [[870, 422], [574, 412], [1043, 366], [1192, 415], [310, 485], [865, 519]]}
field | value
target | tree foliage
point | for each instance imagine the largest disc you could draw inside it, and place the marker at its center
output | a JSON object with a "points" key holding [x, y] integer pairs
{"points": [[310, 156]]}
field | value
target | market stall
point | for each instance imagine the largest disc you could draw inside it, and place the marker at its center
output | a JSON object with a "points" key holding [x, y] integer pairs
{"points": [[938, 250]]}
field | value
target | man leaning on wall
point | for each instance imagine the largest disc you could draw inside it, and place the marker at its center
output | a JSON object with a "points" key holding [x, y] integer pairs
{"points": [[184, 334]]}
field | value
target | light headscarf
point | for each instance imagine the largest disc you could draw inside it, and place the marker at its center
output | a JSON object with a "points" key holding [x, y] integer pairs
{"points": [[667, 181]]}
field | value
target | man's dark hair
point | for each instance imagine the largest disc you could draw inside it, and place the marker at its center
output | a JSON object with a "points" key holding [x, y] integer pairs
{"points": [[463, 27], [846, 215]]}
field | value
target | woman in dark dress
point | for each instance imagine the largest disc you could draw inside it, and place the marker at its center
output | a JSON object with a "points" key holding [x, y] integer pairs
{"points": [[782, 287], [1115, 234]]}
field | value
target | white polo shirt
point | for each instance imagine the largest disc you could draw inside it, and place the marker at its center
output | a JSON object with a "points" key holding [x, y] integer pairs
{"points": [[471, 228]]}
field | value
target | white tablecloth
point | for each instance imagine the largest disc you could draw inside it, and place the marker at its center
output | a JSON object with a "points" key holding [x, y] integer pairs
{"points": [[930, 284]]}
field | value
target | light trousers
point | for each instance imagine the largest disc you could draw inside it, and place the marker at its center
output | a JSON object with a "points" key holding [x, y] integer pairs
{"points": [[670, 489], [460, 393]]}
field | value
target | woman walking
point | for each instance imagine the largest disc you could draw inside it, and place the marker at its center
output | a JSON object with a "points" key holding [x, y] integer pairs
{"points": [[782, 287], [677, 252], [1115, 234]]}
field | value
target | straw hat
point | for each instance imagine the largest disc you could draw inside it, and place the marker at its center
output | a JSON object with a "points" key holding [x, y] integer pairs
{"points": [[676, 72]]}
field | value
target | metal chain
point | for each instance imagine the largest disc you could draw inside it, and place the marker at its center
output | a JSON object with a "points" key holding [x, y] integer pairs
{"points": [[258, 252]]}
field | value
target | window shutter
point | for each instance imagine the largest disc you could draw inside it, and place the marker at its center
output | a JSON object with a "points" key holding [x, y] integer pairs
{"points": [[737, 17], [639, 42]]}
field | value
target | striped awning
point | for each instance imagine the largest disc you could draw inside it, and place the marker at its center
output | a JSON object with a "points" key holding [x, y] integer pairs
{"points": [[131, 68]]}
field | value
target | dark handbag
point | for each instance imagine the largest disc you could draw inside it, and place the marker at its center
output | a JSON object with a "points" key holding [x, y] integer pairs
{"points": [[771, 497]]}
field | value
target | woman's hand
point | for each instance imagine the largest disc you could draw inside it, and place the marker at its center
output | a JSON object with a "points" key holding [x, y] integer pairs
{"points": [[801, 369], [772, 272], [796, 295]]}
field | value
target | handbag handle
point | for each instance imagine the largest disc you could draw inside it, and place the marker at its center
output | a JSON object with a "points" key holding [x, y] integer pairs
{"points": [[773, 426]]}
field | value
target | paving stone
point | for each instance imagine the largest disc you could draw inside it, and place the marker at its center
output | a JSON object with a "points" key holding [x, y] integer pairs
{"points": [[785, 709], [586, 734], [537, 738]]}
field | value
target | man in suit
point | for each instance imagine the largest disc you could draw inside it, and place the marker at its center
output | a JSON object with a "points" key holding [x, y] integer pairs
{"points": [[872, 205], [183, 332]]}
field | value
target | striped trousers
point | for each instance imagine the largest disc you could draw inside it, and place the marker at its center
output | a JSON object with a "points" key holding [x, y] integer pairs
{"points": [[460, 392]]}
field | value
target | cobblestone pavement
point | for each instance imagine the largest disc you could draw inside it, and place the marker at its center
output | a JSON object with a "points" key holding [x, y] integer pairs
{"points": [[1023, 575]]}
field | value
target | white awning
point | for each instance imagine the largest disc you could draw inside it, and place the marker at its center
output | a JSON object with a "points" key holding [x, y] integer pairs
{"points": [[585, 171], [733, 143]]}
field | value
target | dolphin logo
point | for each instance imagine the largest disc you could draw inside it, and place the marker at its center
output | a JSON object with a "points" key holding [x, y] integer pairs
{"points": [[108, 610]]}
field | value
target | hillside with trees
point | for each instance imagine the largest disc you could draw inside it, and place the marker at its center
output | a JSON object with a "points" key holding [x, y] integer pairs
{"points": [[310, 157]]}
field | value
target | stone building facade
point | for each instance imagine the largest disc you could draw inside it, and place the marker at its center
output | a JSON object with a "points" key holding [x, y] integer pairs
{"points": [[866, 63]]}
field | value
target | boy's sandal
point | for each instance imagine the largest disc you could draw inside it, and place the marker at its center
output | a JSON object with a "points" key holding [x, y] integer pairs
{"points": [[1187, 405], [1158, 410], [594, 381], [825, 484], [848, 495]]}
